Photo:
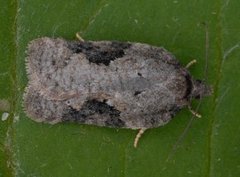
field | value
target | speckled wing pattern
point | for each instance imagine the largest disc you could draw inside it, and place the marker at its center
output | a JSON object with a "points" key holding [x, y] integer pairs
{"points": [[103, 83]]}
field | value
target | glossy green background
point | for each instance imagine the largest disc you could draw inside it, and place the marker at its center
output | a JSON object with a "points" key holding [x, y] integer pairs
{"points": [[211, 147]]}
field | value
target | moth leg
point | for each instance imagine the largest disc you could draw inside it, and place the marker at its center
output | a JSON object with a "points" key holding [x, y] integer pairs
{"points": [[78, 36], [194, 112], [138, 136], [191, 63]]}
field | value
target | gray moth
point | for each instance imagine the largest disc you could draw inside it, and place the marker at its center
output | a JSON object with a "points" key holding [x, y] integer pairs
{"points": [[106, 83]]}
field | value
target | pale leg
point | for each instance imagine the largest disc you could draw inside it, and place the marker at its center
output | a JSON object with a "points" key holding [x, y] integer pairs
{"points": [[194, 112], [79, 37], [141, 131], [191, 63]]}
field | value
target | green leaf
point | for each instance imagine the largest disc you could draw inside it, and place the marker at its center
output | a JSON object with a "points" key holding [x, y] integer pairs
{"points": [[210, 147], [7, 85]]}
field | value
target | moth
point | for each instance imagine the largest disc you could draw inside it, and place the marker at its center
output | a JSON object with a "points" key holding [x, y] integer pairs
{"points": [[107, 83]]}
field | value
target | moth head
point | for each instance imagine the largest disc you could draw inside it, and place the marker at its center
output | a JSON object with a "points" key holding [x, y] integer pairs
{"points": [[200, 89]]}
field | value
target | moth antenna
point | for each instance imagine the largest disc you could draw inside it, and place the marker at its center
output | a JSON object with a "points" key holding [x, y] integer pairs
{"points": [[206, 51], [189, 124]]}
